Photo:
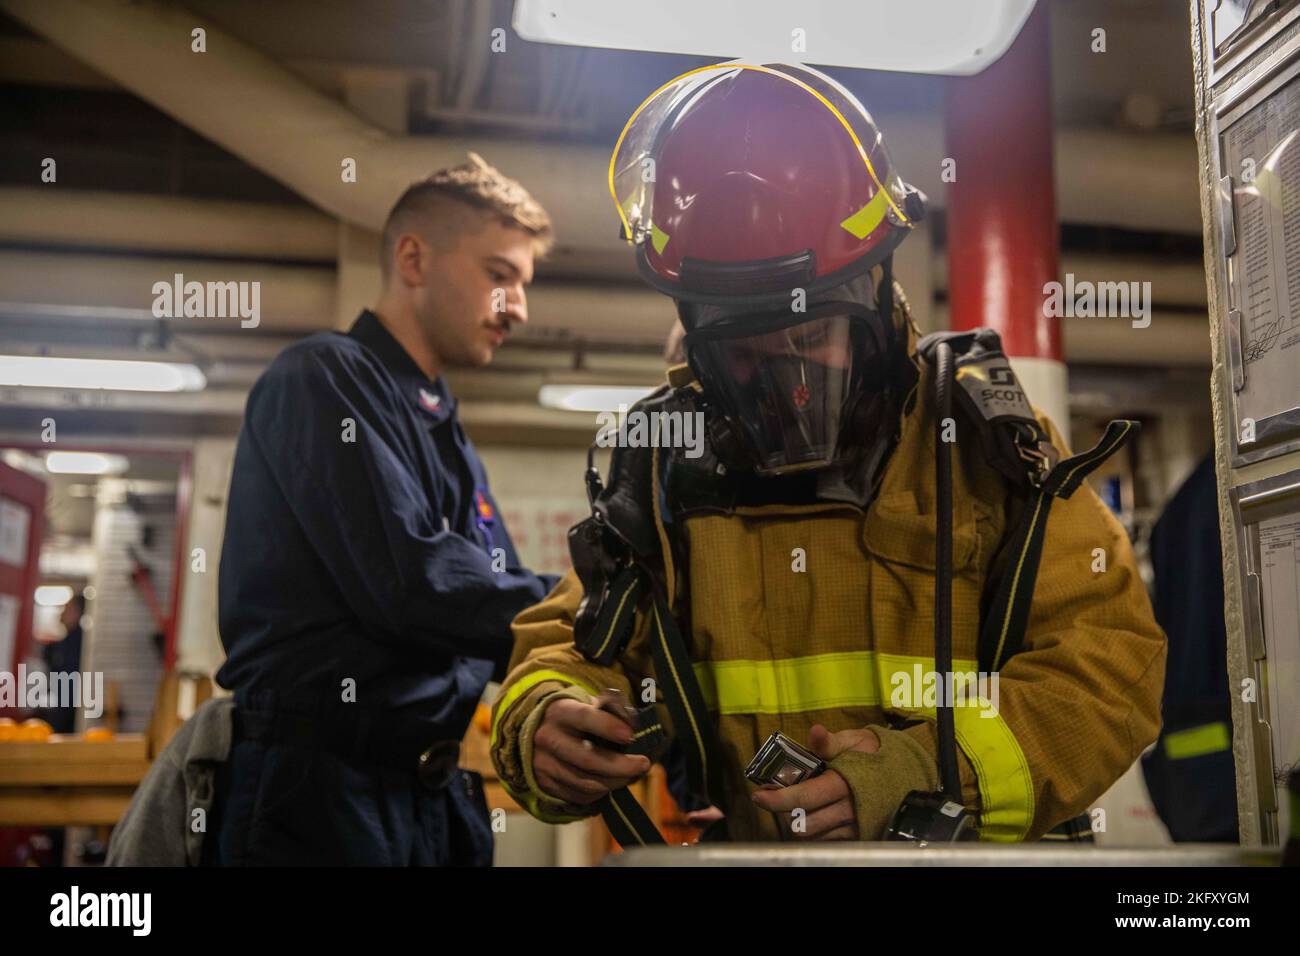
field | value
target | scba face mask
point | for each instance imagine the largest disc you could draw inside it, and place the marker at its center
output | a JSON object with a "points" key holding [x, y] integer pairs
{"points": [[787, 384]]}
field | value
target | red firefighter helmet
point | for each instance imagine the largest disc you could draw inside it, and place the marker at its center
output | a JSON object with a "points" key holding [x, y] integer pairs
{"points": [[739, 183]]}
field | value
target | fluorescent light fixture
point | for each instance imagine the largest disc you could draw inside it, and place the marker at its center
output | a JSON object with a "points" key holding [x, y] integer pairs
{"points": [[84, 463], [591, 398], [125, 375], [916, 36], [53, 595], [34, 465]]}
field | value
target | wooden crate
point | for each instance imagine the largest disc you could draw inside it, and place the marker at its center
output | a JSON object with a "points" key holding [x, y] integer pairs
{"points": [[67, 781]]}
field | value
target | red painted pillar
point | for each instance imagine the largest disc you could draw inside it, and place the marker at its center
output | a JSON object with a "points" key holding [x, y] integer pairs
{"points": [[1003, 240]]}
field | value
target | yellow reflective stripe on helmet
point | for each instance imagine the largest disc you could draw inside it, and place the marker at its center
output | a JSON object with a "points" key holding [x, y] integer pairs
{"points": [[658, 237], [523, 686], [1198, 741], [862, 222]]}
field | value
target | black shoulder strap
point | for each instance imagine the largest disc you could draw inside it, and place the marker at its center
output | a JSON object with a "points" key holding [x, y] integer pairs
{"points": [[1017, 447], [1002, 631], [628, 822], [606, 547], [615, 554]]}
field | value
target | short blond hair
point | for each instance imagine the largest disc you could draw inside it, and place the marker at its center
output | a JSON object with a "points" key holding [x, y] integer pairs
{"points": [[448, 203]]}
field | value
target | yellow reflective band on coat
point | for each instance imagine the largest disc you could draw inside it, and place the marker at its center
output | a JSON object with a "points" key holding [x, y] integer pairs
{"points": [[523, 686], [532, 803], [1006, 787], [855, 679], [1198, 741], [866, 219], [528, 800], [790, 686], [799, 684]]}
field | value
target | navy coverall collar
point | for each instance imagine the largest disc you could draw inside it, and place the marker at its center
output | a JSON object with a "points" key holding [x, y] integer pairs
{"points": [[433, 398]]}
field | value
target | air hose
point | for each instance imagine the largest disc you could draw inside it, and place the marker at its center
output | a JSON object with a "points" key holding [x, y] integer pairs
{"points": [[950, 779]]}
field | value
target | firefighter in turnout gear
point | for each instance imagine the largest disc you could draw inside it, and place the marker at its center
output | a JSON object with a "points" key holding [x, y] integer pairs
{"points": [[817, 570]]}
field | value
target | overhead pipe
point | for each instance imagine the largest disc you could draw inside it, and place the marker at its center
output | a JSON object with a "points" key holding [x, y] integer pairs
{"points": [[1173, 340], [1173, 282], [291, 298], [301, 299], [172, 225]]}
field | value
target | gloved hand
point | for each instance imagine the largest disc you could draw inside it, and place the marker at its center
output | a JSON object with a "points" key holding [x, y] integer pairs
{"points": [[881, 778], [829, 811]]}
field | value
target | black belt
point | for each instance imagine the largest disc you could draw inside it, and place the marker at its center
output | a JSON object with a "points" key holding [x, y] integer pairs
{"points": [[360, 737]]}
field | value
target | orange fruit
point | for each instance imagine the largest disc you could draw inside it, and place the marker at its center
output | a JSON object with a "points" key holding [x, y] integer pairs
{"points": [[33, 728], [97, 735], [483, 718], [8, 729]]}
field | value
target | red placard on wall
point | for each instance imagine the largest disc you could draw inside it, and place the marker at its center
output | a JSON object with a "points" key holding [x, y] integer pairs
{"points": [[22, 521]]}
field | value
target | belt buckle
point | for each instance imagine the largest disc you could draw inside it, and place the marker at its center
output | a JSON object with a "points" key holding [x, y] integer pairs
{"points": [[438, 763]]}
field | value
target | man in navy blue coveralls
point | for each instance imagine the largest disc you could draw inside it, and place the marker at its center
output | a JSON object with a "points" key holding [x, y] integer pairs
{"points": [[367, 580]]}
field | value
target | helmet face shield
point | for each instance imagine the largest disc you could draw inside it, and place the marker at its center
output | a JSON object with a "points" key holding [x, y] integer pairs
{"points": [[632, 167], [784, 383]]}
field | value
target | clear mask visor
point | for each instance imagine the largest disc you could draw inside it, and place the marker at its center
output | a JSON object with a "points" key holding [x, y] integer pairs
{"points": [[785, 389]]}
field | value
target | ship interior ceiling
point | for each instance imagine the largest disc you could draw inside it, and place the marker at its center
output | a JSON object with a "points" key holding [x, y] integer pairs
{"points": [[239, 177], [156, 170]]}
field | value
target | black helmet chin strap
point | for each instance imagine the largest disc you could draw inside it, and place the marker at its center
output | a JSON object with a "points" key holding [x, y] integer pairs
{"points": [[885, 298], [900, 367]]}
